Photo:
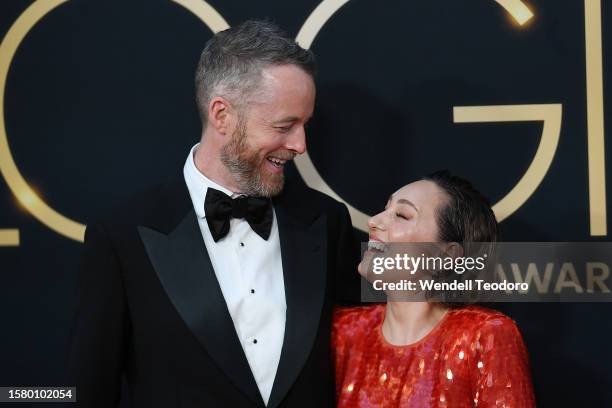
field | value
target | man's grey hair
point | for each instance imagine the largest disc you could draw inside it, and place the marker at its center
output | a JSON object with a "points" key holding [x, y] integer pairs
{"points": [[232, 61]]}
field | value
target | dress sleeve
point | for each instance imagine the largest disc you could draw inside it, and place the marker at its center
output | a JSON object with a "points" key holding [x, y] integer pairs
{"points": [[502, 374], [338, 347]]}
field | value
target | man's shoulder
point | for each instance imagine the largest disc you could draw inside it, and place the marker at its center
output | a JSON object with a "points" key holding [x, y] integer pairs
{"points": [[152, 204], [304, 195]]}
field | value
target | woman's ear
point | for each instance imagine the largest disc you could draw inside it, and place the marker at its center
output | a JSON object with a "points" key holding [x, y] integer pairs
{"points": [[453, 250]]}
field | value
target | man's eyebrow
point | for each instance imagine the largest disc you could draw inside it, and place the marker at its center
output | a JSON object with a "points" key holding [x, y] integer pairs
{"points": [[410, 203], [290, 119]]}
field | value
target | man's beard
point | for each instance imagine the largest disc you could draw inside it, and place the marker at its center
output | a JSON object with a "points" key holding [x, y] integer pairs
{"points": [[247, 168]]}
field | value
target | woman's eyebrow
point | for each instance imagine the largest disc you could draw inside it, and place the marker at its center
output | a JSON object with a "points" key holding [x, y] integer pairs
{"points": [[410, 203], [285, 120]]}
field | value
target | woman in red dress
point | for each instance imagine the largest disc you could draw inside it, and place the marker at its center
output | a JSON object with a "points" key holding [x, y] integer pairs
{"points": [[426, 354]]}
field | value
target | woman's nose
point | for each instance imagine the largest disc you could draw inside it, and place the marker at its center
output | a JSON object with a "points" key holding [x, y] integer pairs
{"points": [[376, 223]]}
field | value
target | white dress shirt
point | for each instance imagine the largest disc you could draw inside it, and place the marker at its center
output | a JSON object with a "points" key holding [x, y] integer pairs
{"points": [[250, 273]]}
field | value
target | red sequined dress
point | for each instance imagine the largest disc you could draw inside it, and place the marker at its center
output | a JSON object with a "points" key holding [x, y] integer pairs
{"points": [[474, 357]]}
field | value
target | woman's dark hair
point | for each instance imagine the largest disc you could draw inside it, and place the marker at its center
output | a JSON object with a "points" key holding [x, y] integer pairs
{"points": [[467, 219], [467, 216]]}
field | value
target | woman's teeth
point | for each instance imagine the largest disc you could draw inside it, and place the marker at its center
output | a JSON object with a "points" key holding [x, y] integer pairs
{"points": [[377, 246], [277, 162]]}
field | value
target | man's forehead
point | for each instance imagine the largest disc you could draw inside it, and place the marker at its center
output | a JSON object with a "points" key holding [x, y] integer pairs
{"points": [[284, 96], [286, 77]]}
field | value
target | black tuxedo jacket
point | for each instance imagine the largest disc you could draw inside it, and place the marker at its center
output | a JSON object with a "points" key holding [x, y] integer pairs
{"points": [[150, 307]]}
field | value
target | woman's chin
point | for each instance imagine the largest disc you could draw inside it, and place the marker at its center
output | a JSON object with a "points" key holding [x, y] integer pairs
{"points": [[365, 266], [362, 269]]}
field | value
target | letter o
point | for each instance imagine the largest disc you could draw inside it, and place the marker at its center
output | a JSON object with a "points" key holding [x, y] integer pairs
{"points": [[15, 180]]}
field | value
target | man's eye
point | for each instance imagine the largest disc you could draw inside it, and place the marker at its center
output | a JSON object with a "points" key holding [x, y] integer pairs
{"points": [[284, 129], [401, 216]]}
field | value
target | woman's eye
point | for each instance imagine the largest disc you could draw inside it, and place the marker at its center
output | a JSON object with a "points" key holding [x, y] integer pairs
{"points": [[401, 216]]}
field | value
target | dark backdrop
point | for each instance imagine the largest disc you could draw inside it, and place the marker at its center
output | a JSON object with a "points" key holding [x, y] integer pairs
{"points": [[99, 103]]}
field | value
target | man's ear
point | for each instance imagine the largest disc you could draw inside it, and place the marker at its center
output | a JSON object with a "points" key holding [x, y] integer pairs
{"points": [[221, 115], [453, 250]]}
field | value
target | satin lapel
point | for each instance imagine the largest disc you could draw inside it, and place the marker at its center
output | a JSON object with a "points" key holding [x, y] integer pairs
{"points": [[181, 262], [304, 255]]}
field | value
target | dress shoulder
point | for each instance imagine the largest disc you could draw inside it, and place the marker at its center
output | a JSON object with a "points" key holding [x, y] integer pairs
{"points": [[500, 363], [478, 317], [492, 337], [356, 320]]}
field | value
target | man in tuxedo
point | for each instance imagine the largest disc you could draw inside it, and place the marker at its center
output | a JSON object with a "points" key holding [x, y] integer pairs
{"points": [[215, 289]]}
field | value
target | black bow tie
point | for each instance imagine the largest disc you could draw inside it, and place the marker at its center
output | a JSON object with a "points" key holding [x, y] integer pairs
{"points": [[220, 208]]}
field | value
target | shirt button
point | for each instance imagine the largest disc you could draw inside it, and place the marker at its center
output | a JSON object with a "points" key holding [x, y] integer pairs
{"points": [[254, 341], [242, 244], [252, 290]]}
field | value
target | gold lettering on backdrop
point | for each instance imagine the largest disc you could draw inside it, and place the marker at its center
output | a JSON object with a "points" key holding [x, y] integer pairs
{"points": [[564, 276], [517, 9], [599, 278], [26, 196], [63, 225], [568, 279], [311, 27], [595, 118], [500, 274], [550, 114], [595, 122], [533, 276], [9, 237]]}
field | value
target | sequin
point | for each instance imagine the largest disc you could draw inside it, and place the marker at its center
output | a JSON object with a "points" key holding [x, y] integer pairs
{"points": [[473, 357]]}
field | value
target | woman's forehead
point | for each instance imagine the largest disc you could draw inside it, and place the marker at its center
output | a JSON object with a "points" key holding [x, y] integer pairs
{"points": [[421, 190], [421, 194]]}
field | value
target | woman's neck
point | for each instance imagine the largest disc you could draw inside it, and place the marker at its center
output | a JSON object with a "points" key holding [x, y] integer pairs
{"points": [[408, 322]]}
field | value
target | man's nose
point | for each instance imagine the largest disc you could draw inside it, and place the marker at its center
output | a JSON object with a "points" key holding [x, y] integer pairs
{"points": [[296, 141]]}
